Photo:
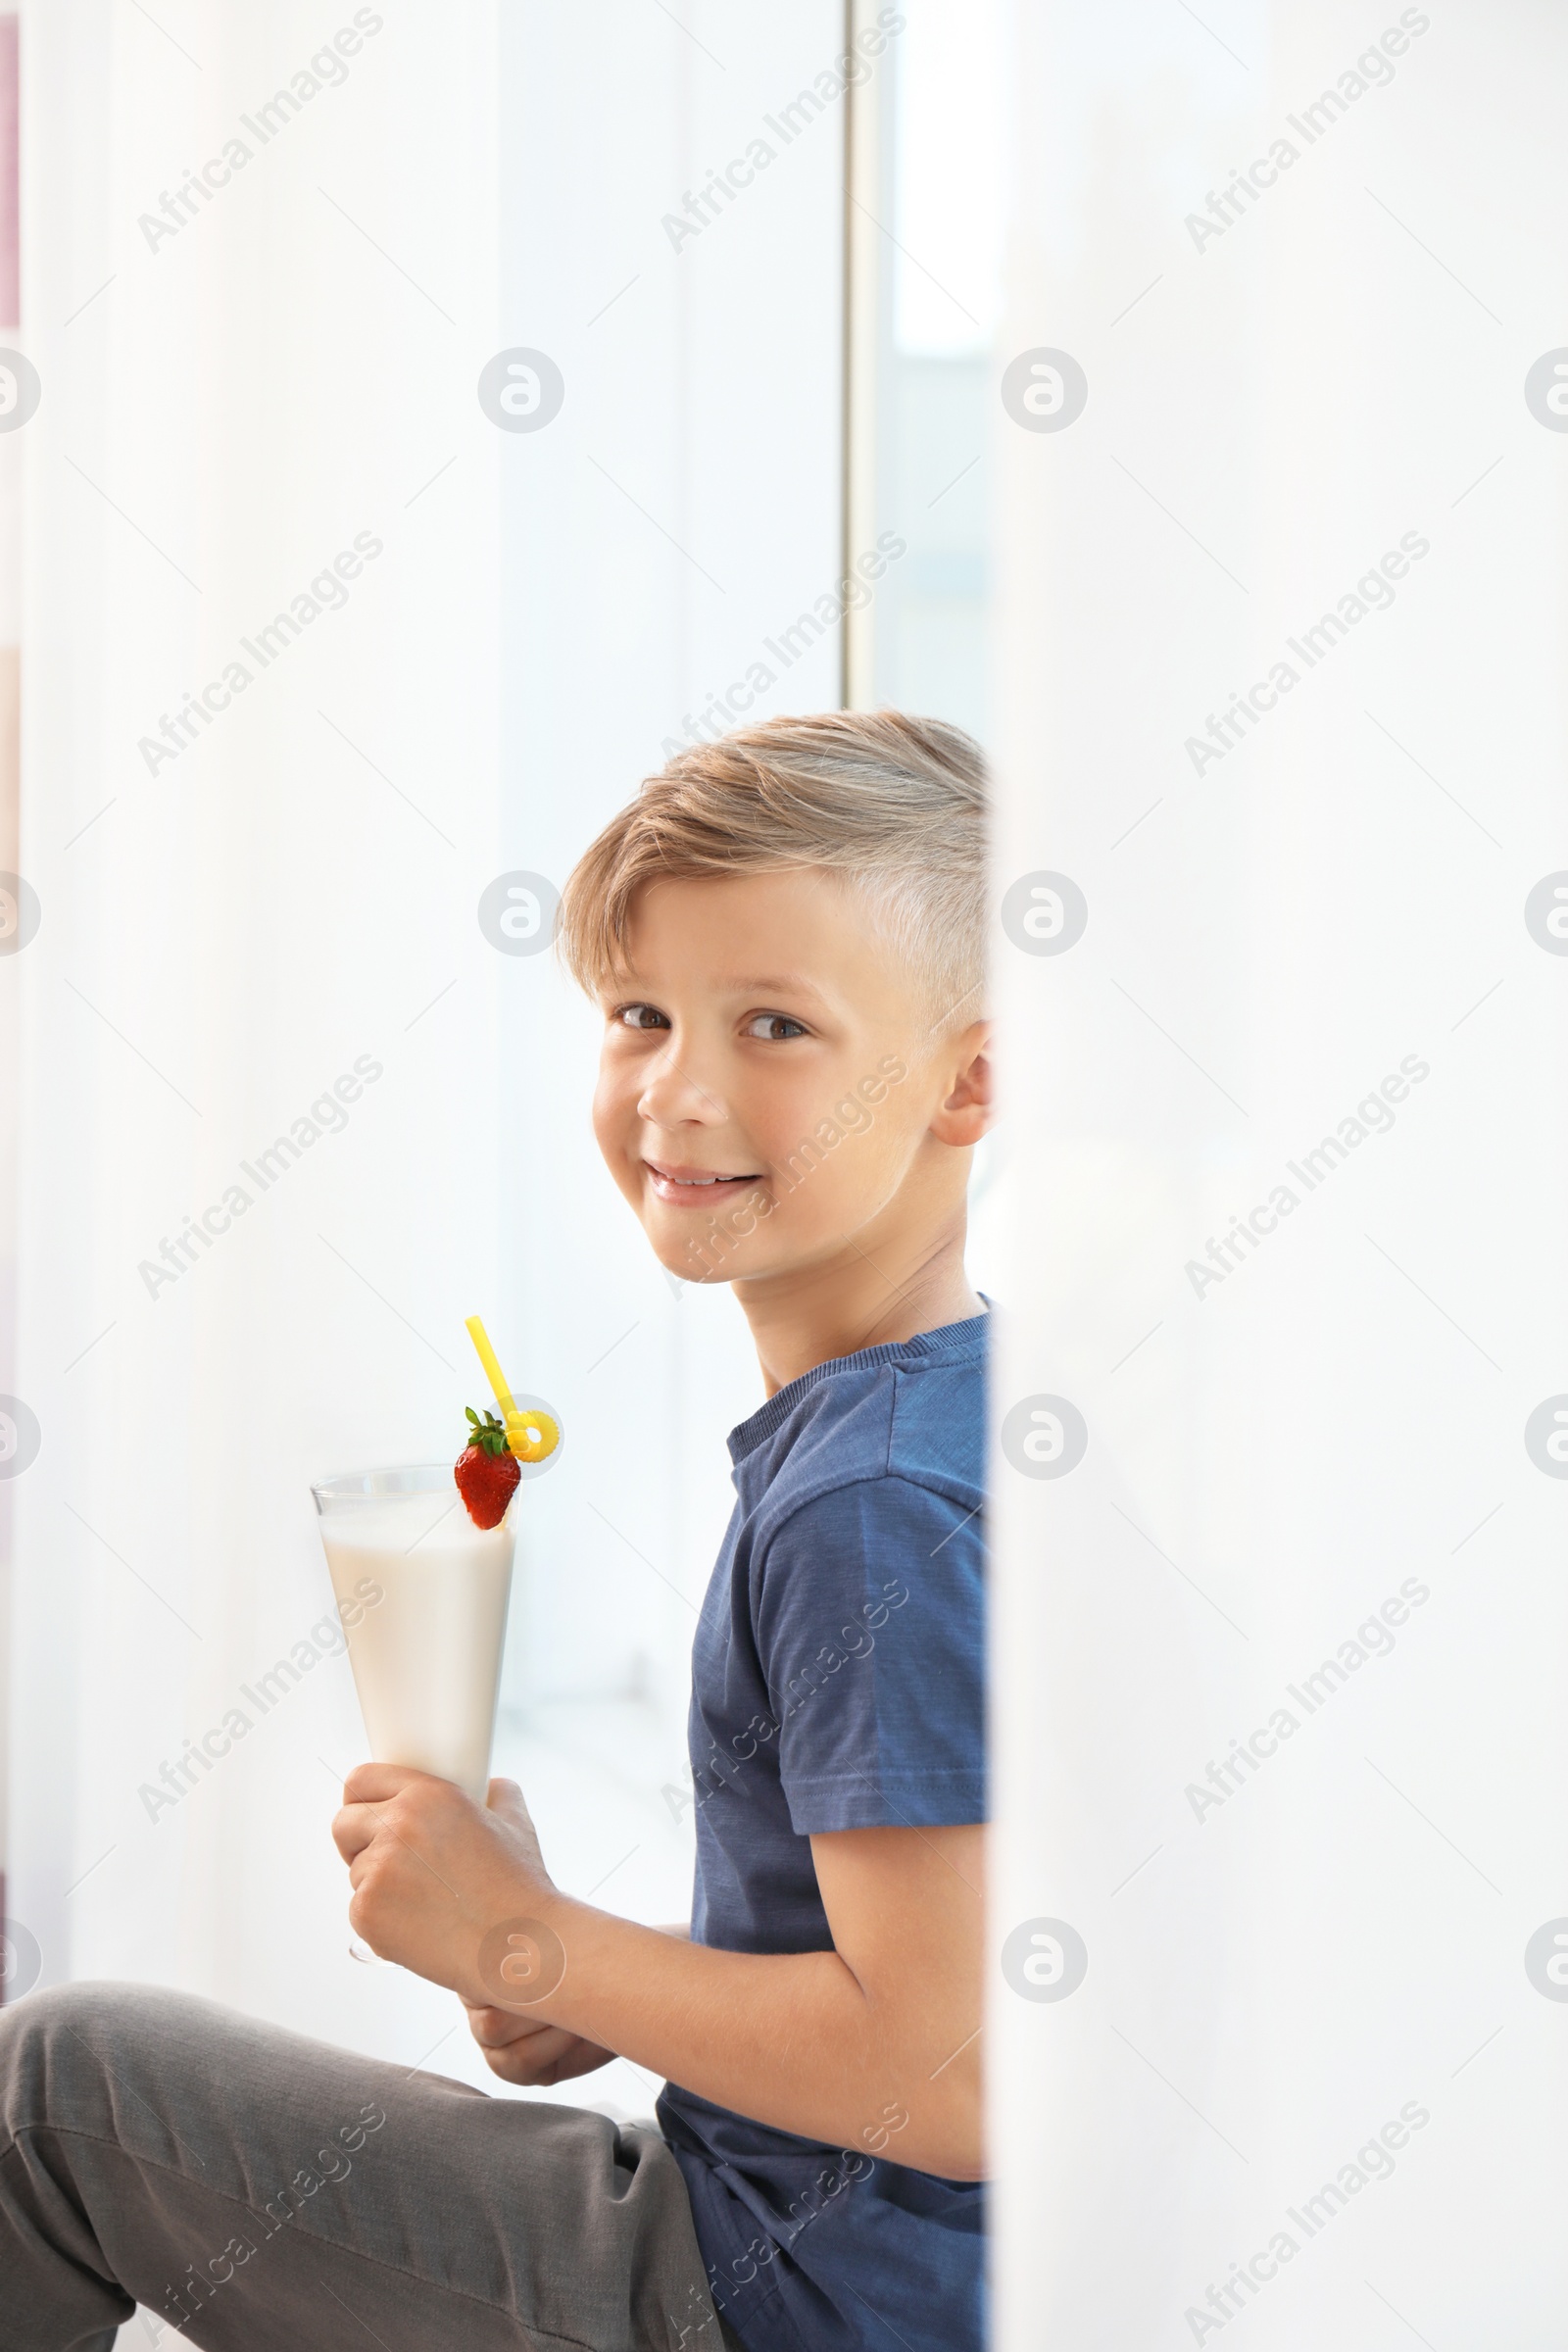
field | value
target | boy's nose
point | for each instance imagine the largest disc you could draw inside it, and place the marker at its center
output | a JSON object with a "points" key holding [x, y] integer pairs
{"points": [[674, 1096]]}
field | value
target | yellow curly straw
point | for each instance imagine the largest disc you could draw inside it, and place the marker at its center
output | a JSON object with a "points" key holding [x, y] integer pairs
{"points": [[532, 1434]]}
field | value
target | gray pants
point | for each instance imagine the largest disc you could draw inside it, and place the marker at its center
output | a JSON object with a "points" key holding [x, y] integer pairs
{"points": [[258, 2191]]}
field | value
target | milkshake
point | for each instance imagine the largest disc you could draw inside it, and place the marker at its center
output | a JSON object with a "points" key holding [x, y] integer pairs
{"points": [[435, 1544], [426, 1655], [433, 1547], [421, 1562]]}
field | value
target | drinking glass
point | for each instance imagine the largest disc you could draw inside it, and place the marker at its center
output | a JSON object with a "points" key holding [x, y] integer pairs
{"points": [[422, 1595]]}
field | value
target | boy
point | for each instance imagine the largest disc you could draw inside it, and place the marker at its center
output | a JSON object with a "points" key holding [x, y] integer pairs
{"points": [[784, 932]]}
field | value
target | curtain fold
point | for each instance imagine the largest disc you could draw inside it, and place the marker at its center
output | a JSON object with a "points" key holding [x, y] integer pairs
{"points": [[319, 658]]}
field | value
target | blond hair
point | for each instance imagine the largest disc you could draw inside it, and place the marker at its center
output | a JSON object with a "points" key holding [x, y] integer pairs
{"points": [[895, 805]]}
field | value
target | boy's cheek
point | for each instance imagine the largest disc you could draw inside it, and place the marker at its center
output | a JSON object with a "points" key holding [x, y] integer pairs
{"points": [[614, 1120]]}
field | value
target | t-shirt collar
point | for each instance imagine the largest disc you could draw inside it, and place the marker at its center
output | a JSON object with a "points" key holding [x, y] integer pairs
{"points": [[947, 1339]]}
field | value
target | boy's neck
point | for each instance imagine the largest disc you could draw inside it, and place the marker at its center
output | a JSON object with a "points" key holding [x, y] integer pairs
{"points": [[876, 1288]]}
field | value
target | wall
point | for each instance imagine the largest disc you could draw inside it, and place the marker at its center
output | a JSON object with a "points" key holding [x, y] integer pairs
{"points": [[1309, 1444]]}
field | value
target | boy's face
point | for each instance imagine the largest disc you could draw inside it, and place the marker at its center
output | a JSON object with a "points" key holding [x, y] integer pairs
{"points": [[769, 1083]]}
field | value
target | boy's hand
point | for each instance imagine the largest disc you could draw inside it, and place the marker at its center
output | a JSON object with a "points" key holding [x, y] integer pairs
{"points": [[433, 1872], [521, 2049]]}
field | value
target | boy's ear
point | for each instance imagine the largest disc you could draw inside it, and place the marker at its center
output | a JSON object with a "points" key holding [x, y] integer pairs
{"points": [[965, 1113]]}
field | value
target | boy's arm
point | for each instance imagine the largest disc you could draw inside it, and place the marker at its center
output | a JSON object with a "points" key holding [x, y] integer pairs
{"points": [[525, 2050], [871, 2046]]}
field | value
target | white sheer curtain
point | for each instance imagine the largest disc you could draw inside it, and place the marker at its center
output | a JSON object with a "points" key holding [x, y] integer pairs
{"points": [[520, 620], [1273, 2016]]}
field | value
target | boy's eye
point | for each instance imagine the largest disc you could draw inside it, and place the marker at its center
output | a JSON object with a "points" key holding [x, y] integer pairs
{"points": [[774, 1027], [641, 1017]]}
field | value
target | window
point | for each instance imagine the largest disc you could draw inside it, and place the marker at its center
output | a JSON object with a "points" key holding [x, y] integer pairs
{"points": [[923, 250]]}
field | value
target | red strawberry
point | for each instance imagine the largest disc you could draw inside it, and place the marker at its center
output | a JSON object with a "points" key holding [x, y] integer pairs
{"points": [[487, 1474]]}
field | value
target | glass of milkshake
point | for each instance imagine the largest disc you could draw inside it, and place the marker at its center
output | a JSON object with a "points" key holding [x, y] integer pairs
{"points": [[422, 1593], [421, 1562]]}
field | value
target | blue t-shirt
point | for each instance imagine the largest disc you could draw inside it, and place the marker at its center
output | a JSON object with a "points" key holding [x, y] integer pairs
{"points": [[837, 1684]]}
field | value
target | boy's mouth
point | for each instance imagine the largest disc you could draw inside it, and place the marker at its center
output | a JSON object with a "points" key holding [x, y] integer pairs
{"points": [[695, 1187]]}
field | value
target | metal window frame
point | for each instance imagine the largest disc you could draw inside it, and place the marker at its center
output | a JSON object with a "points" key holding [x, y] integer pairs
{"points": [[863, 157]]}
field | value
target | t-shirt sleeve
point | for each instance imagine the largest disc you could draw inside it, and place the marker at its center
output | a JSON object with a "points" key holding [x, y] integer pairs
{"points": [[871, 1626]]}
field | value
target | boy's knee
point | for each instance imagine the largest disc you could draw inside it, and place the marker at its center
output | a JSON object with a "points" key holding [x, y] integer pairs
{"points": [[58, 2046]]}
